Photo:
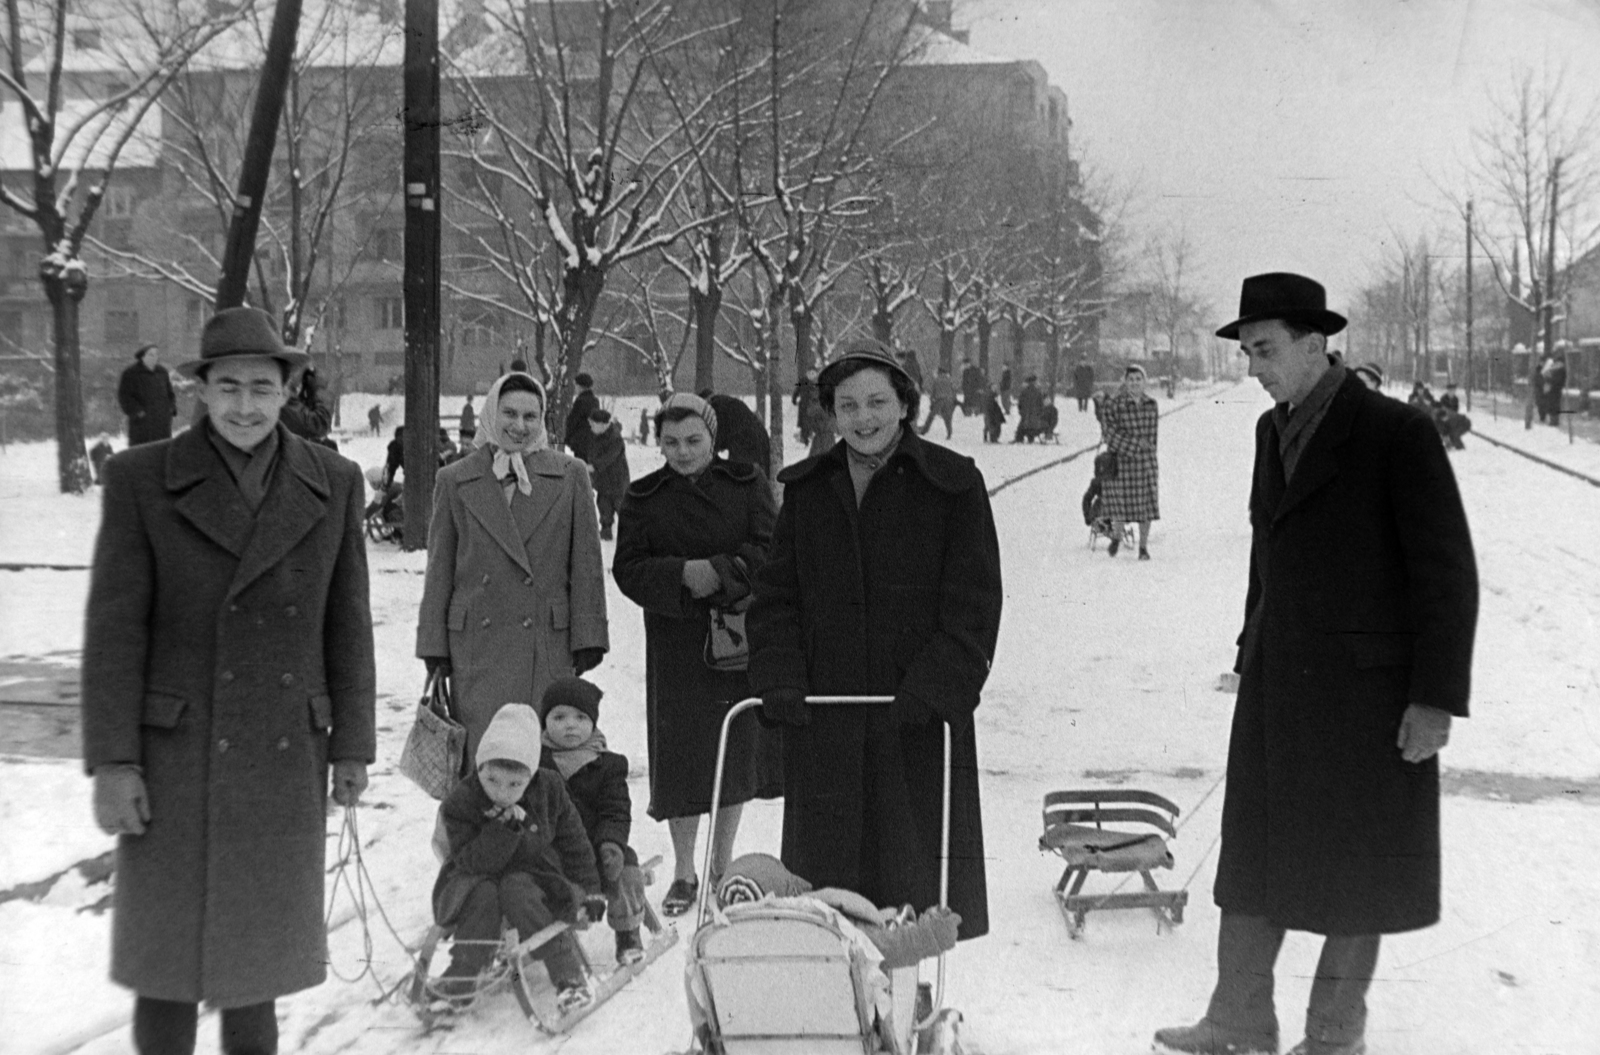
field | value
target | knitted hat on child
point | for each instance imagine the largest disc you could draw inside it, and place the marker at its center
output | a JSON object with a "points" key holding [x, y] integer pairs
{"points": [[753, 876], [576, 693], [512, 736]]}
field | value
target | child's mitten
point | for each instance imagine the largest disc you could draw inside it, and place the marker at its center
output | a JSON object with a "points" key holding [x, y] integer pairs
{"points": [[630, 886], [907, 943], [611, 862]]}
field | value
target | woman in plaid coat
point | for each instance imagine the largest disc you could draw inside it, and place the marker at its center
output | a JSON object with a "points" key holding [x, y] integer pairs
{"points": [[1128, 426]]}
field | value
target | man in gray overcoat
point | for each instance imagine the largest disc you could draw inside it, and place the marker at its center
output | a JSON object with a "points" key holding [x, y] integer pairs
{"points": [[228, 660], [1356, 654]]}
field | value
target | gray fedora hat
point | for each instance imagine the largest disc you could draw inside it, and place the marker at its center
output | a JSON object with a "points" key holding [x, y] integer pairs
{"points": [[233, 332]]}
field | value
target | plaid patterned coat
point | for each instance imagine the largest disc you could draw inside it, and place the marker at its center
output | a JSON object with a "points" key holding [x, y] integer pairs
{"points": [[1129, 427]]}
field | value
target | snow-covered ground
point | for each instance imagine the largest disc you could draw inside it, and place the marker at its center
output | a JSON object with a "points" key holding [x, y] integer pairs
{"points": [[1106, 674]]}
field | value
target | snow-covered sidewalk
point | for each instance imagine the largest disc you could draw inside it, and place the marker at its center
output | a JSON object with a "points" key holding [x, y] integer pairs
{"points": [[1105, 674]]}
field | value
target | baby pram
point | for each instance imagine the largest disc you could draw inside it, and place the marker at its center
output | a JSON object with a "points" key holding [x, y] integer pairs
{"points": [[385, 514], [1099, 524], [776, 978]]}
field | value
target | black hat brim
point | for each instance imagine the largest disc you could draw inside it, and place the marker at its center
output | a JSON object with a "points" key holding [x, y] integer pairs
{"points": [[1323, 321]]}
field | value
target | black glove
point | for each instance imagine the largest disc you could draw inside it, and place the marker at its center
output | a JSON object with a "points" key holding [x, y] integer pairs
{"points": [[611, 861], [439, 664], [585, 660], [909, 710], [785, 707]]}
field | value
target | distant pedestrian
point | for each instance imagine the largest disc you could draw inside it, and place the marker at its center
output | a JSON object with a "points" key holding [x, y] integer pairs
{"points": [[306, 413], [228, 661], [1005, 389], [644, 426], [576, 438], [973, 388], [1128, 426], [994, 417], [740, 433], [804, 400], [608, 465], [145, 394], [375, 418], [1030, 411], [1553, 380], [1360, 613], [941, 402], [1083, 384], [468, 428]]}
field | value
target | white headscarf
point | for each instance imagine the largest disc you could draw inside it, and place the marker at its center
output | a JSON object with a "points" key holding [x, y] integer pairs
{"points": [[489, 434]]}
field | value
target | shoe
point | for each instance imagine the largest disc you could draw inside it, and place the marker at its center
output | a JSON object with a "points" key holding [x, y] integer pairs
{"points": [[1205, 1038], [450, 994], [680, 897], [629, 949], [1116, 544], [575, 996], [1328, 1047], [1144, 554]]}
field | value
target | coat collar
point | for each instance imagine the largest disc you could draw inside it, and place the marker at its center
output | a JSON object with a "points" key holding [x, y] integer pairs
{"points": [[1319, 462], [911, 450], [738, 472], [209, 499], [484, 498]]}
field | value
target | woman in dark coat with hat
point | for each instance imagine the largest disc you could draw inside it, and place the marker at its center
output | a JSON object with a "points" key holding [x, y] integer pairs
{"points": [[689, 537], [884, 580]]}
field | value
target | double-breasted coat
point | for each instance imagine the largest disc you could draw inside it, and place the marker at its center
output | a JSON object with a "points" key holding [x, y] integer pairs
{"points": [[1129, 427], [667, 519], [900, 596], [1363, 598], [230, 656], [511, 591]]}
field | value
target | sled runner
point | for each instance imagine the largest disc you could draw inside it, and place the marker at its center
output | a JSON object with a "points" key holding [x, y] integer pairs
{"points": [[515, 967], [1098, 523], [777, 977], [1074, 829]]}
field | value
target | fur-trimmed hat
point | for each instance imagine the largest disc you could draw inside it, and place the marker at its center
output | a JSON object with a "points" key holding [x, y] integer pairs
{"points": [[512, 736], [233, 332], [571, 692]]}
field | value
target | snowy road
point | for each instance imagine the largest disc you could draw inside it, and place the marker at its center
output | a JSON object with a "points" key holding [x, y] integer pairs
{"points": [[1106, 674]]}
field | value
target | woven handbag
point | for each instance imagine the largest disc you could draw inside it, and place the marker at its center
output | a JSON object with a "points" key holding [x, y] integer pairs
{"points": [[727, 644], [436, 747]]}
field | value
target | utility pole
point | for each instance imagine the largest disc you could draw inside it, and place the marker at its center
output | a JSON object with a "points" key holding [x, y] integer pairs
{"points": [[256, 166], [421, 277], [1469, 306]]}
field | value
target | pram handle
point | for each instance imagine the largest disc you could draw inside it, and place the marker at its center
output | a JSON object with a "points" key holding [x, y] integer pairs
{"points": [[716, 800]]}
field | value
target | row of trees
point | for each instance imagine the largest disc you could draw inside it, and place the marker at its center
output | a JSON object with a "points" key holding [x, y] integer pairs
{"points": [[747, 179]]}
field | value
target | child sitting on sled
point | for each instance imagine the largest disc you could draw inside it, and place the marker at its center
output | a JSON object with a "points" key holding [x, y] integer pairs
{"points": [[518, 851], [597, 780]]}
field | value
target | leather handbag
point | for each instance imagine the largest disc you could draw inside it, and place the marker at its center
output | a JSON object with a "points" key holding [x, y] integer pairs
{"points": [[1105, 465], [727, 644], [435, 753]]}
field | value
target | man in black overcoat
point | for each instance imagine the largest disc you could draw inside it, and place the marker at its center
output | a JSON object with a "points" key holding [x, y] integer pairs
{"points": [[1355, 656], [144, 392]]}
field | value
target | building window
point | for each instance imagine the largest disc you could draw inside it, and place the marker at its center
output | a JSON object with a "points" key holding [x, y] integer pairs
{"points": [[481, 328], [119, 201], [117, 232], [122, 327], [86, 39], [389, 359], [386, 244], [389, 313], [194, 315], [10, 330]]}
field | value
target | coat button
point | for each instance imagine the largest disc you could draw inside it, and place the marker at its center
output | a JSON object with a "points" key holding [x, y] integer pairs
{"points": [[222, 745], [291, 611], [485, 621], [526, 623], [226, 677], [527, 580], [283, 743], [233, 608], [287, 679], [486, 580]]}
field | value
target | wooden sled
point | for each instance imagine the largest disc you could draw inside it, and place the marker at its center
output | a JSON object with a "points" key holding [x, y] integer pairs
{"points": [[1074, 830]]}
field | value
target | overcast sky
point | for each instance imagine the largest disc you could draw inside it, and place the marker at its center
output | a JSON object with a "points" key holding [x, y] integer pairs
{"points": [[1287, 134]]}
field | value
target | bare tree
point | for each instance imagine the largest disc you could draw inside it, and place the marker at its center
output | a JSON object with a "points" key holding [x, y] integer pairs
{"points": [[1174, 305], [77, 131]]}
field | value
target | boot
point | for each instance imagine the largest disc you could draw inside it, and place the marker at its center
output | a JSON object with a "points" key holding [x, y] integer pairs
{"points": [[629, 949], [1205, 1038], [1324, 1047]]}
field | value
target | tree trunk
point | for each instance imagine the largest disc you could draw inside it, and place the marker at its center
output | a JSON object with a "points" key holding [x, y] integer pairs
{"points": [[580, 298], [800, 320], [705, 308], [1018, 336], [72, 459], [985, 326], [882, 323]]}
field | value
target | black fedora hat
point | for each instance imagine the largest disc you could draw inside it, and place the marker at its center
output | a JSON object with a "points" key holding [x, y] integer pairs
{"points": [[867, 351], [1282, 295], [233, 332]]}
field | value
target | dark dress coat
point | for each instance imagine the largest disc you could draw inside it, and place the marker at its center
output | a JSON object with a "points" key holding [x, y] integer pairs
{"points": [[146, 397], [549, 844], [577, 436], [231, 657], [741, 434], [1083, 381], [666, 519], [1363, 598], [1030, 410], [511, 591], [900, 596], [599, 792]]}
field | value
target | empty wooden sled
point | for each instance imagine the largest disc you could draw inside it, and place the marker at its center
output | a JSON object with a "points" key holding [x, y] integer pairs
{"points": [[1075, 830]]}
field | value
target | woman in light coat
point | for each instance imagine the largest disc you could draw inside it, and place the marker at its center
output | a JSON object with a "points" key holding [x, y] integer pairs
{"points": [[515, 590]]}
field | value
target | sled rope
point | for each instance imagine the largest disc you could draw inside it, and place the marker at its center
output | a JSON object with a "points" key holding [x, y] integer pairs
{"points": [[350, 872]]}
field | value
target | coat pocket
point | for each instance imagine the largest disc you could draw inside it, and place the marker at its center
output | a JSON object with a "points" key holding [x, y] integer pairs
{"points": [[560, 615], [162, 709], [322, 713]]}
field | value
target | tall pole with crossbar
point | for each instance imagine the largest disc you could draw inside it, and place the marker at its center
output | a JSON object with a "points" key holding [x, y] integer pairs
{"points": [[421, 278]]}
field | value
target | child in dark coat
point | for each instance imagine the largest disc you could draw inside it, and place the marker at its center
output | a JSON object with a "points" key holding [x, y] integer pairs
{"points": [[607, 456], [993, 417], [518, 850], [597, 780]]}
